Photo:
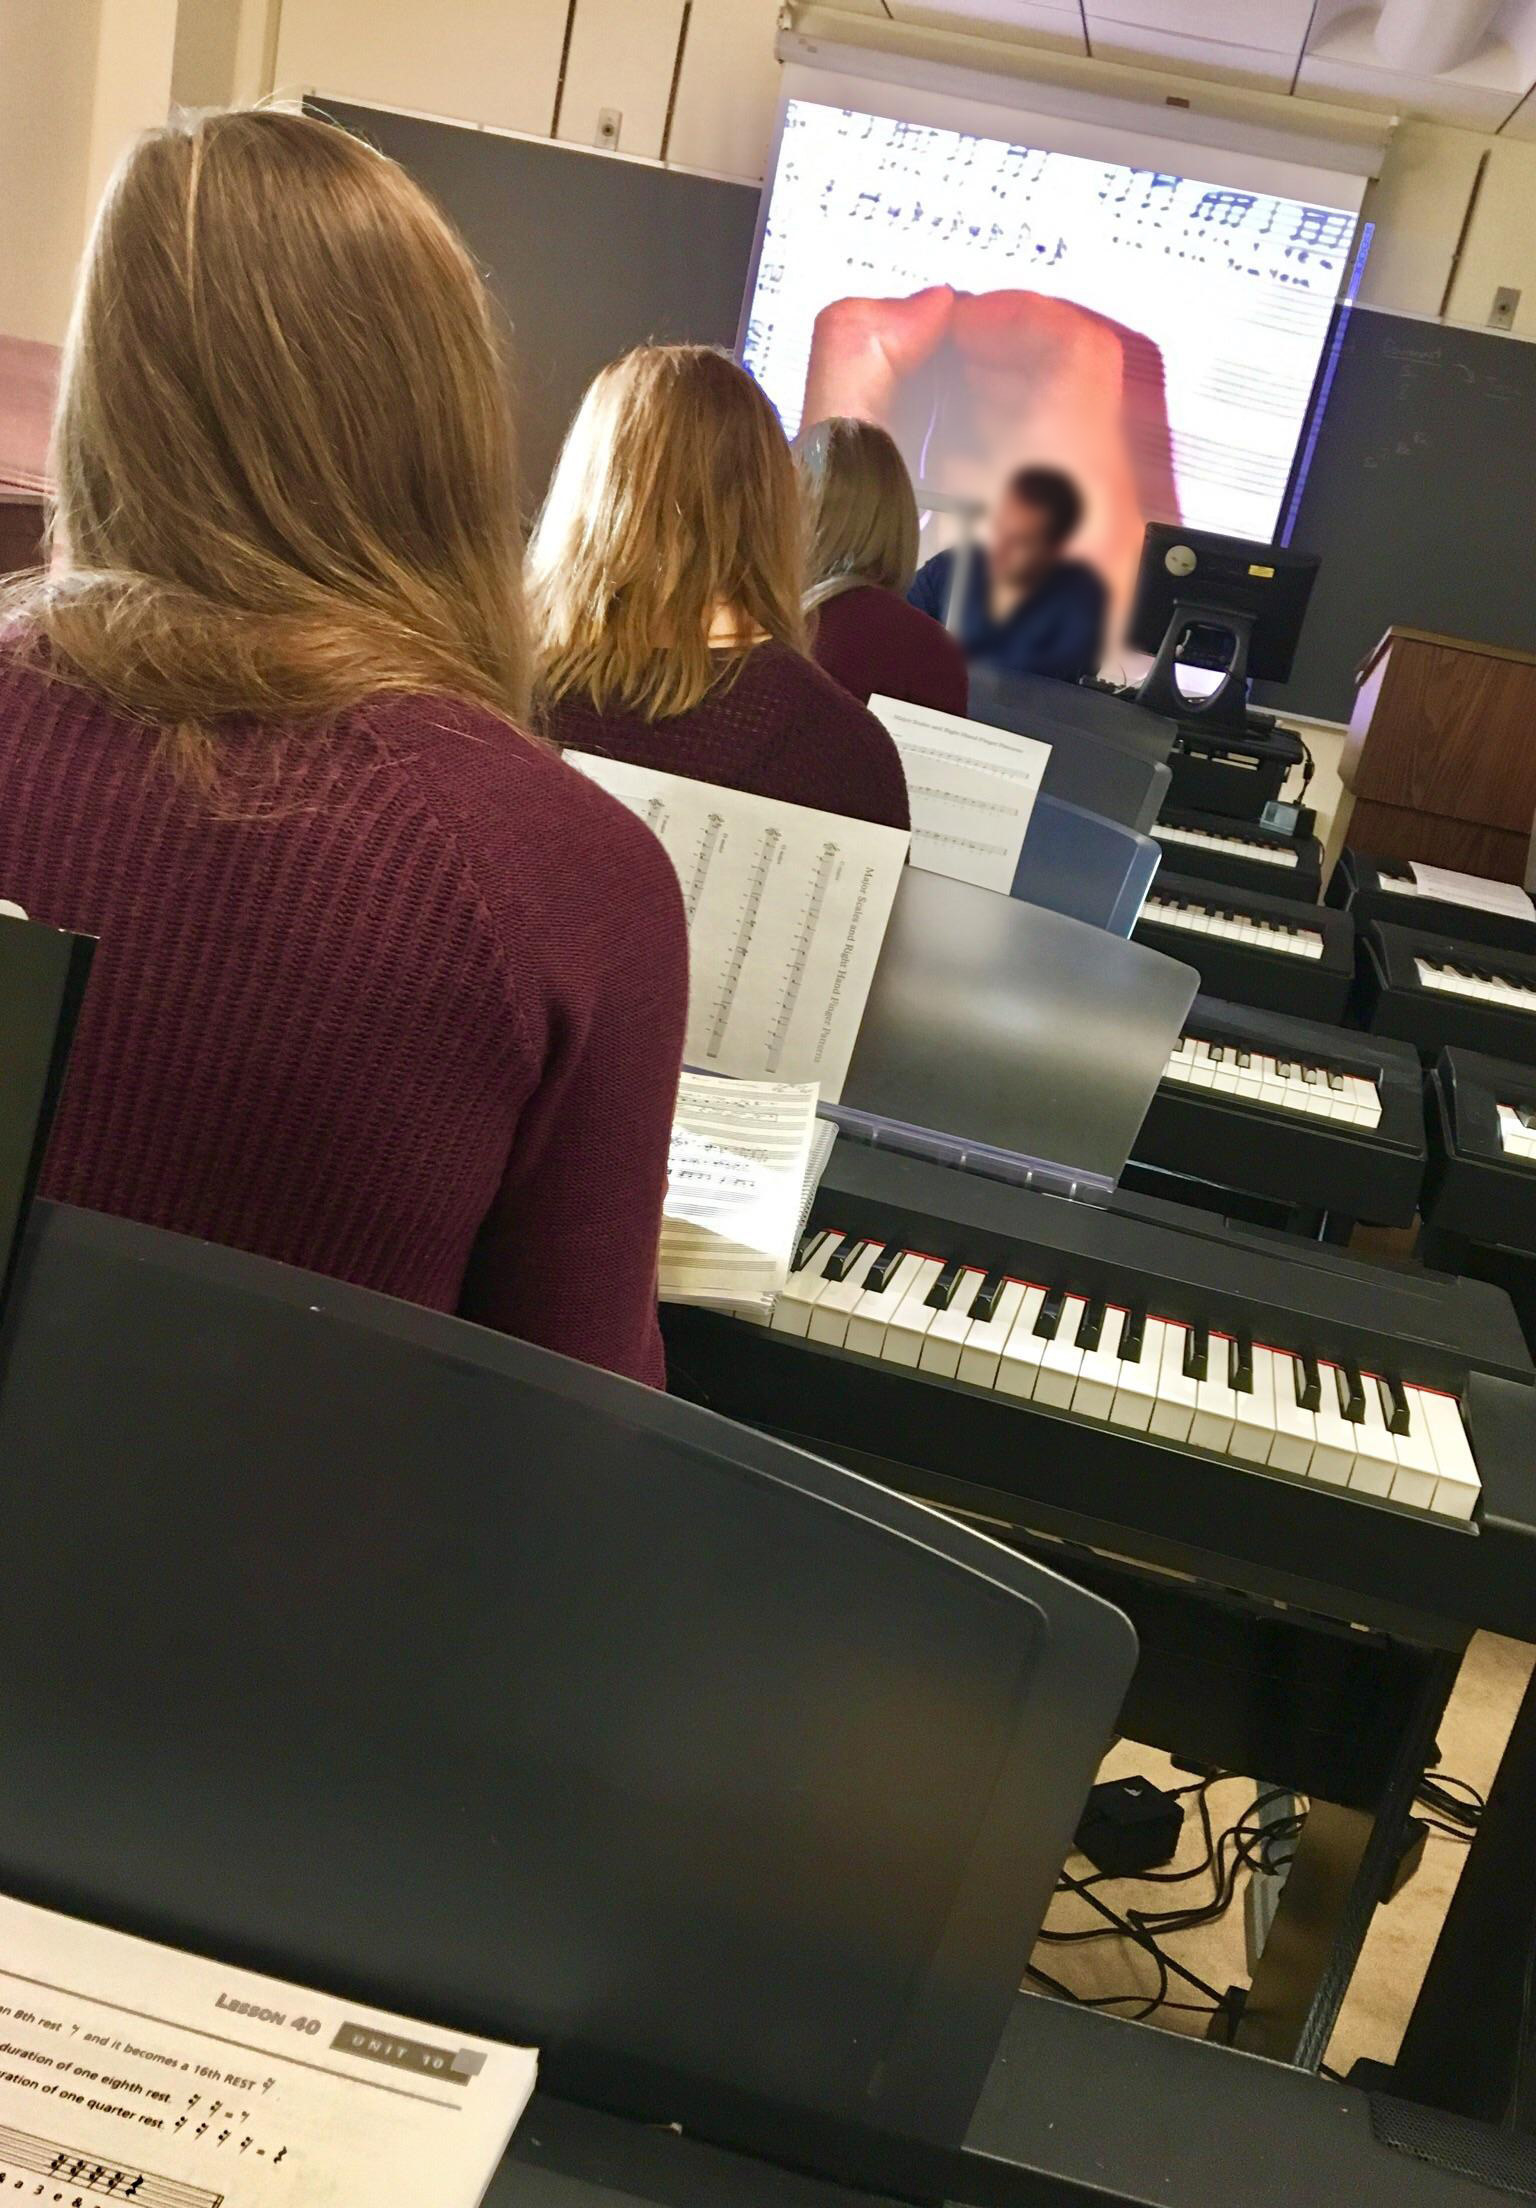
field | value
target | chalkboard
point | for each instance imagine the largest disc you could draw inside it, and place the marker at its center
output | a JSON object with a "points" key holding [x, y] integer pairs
{"points": [[1420, 494], [587, 253]]}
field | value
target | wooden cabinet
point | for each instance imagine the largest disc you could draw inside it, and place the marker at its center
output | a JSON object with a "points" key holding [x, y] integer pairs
{"points": [[1441, 755]]}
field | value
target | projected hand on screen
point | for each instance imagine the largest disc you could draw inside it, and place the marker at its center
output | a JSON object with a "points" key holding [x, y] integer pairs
{"points": [[972, 385]]}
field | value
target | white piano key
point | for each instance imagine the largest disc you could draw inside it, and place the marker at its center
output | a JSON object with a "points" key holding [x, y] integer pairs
{"points": [[987, 1338], [1458, 1487], [1295, 1429], [1018, 1368], [873, 1312], [1375, 1451], [836, 1304], [1062, 1361], [794, 1302], [1175, 1405], [1417, 1474], [1099, 1374], [910, 1322], [1136, 1383], [1333, 1452], [946, 1337], [1215, 1404], [1253, 1430]]}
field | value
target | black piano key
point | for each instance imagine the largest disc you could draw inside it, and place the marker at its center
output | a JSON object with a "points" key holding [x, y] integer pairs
{"points": [[1351, 1393], [885, 1264], [1244, 1060], [840, 1264], [1049, 1316], [984, 1302], [942, 1294], [1215, 1053], [1240, 1364], [1335, 1081], [1197, 1353], [1309, 1075], [1090, 1326], [1283, 1068], [810, 1243], [1399, 1419], [1133, 1337], [1309, 1382], [1526, 1114]]}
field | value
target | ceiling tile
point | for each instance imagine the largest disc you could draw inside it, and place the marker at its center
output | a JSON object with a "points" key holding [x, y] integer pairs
{"points": [[1268, 26], [1192, 57]]}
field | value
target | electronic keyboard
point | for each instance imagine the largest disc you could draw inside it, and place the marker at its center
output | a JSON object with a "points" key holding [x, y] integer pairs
{"points": [[1252, 949], [1241, 852], [1234, 1404], [1308, 1116], [1481, 1181], [1384, 889], [1433, 990]]}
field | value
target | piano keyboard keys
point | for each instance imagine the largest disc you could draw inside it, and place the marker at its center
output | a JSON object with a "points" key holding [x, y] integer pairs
{"points": [[1238, 847], [1236, 927], [1310, 1418], [1515, 1134], [1281, 1085], [1482, 984]]}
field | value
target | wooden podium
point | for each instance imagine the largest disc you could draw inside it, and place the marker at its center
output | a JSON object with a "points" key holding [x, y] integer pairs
{"points": [[1440, 760]]}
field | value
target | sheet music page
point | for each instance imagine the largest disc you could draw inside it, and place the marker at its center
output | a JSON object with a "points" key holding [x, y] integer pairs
{"points": [[787, 909], [1472, 889], [132, 2072], [971, 788], [736, 1177]]}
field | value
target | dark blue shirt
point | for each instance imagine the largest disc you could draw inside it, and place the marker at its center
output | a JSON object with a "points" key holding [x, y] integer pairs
{"points": [[1057, 630]]}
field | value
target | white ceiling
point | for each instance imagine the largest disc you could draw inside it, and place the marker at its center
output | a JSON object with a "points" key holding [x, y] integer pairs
{"points": [[1469, 62]]}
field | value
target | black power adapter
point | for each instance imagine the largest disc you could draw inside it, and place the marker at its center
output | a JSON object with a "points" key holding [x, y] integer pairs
{"points": [[1129, 1825]]}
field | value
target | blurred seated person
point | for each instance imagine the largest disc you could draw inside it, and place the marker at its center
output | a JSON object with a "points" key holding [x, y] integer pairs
{"points": [[665, 578], [862, 523], [384, 989], [1027, 609]]}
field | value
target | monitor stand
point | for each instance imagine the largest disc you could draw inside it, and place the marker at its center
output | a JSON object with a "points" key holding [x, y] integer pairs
{"points": [[1225, 711]]}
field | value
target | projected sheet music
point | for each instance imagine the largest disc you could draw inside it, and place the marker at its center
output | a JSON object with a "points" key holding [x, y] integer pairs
{"points": [[1225, 294], [133, 2072], [787, 908]]}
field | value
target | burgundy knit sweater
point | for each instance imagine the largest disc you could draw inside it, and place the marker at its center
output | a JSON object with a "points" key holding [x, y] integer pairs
{"points": [[416, 1025], [876, 645], [780, 728]]}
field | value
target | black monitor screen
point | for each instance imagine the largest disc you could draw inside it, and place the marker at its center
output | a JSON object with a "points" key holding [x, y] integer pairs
{"points": [[1194, 568]]}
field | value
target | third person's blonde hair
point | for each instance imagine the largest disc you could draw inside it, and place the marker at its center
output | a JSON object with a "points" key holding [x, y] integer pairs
{"points": [[674, 504], [861, 513]]}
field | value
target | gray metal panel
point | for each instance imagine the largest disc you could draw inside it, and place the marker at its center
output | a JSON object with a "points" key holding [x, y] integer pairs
{"points": [[409, 1660], [587, 253]]}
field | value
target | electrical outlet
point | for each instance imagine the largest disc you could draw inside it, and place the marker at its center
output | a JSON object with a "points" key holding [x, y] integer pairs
{"points": [[1506, 301], [610, 121]]}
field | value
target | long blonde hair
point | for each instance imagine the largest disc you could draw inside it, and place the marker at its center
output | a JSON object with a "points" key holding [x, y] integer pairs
{"points": [[861, 512], [282, 450], [674, 500]]}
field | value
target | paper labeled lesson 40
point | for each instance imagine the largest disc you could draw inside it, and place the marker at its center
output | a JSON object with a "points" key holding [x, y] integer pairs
{"points": [[132, 2072]]}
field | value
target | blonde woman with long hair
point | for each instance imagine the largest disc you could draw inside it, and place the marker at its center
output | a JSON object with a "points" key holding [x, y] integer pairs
{"points": [[384, 988], [862, 527], [666, 573]]}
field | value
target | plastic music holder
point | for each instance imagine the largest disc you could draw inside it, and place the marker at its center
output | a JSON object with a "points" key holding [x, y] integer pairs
{"points": [[1089, 868], [42, 980], [1107, 755], [1010, 1041], [409, 1660]]}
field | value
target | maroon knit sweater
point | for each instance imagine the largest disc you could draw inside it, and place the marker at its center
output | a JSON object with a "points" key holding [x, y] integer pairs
{"points": [[876, 645], [417, 1027], [780, 728]]}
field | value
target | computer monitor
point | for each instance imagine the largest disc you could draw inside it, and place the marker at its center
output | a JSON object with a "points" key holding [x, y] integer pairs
{"points": [[1228, 603], [42, 979]]}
